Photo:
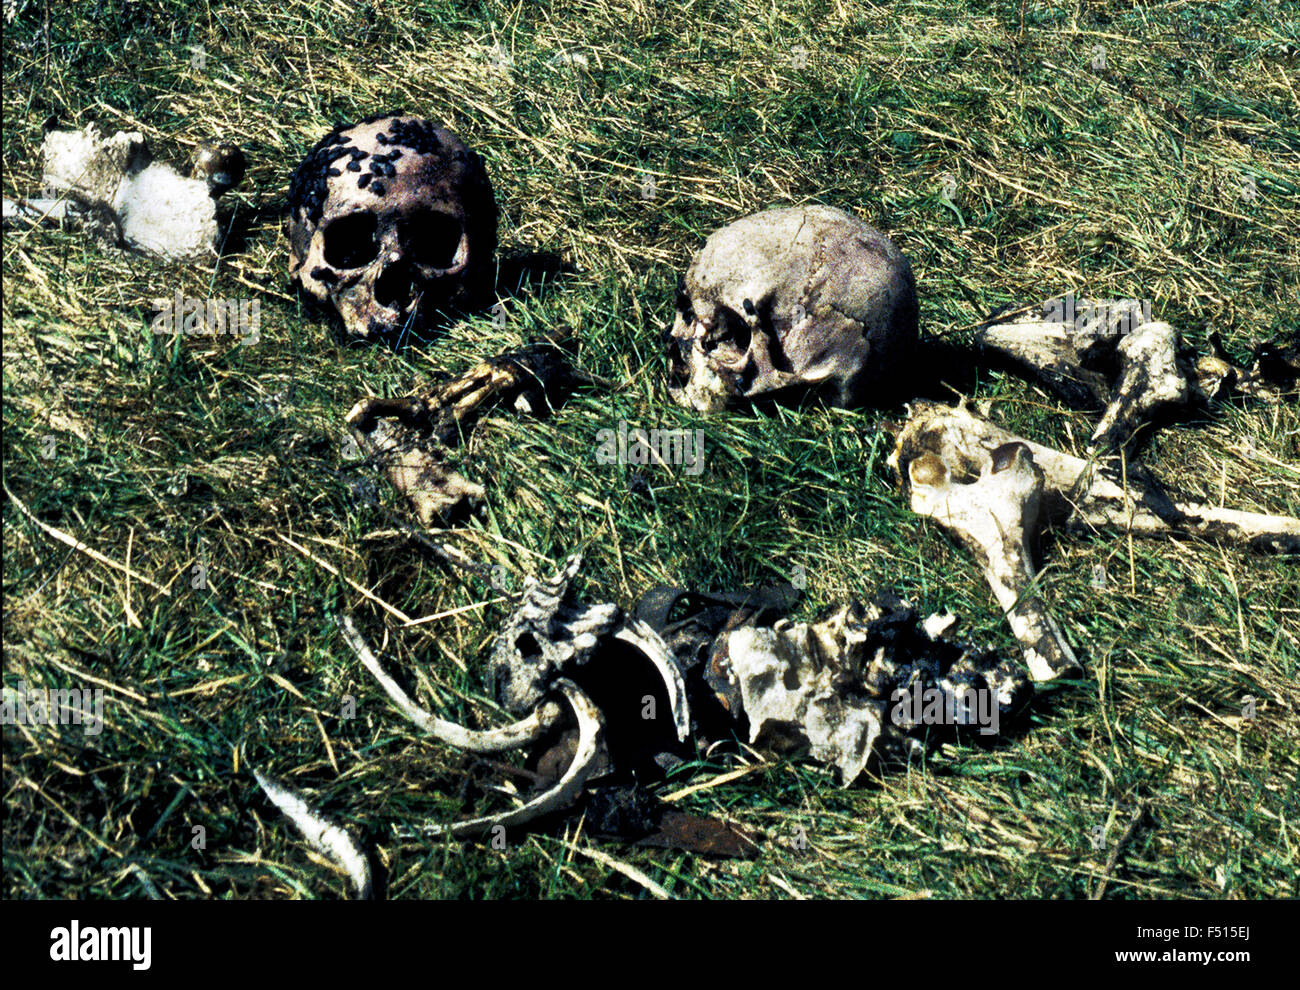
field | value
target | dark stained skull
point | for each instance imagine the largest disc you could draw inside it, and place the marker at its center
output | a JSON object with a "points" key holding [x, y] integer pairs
{"points": [[791, 300], [392, 221]]}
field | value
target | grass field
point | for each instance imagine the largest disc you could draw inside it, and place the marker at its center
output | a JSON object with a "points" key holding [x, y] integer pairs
{"points": [[1119, 149]]}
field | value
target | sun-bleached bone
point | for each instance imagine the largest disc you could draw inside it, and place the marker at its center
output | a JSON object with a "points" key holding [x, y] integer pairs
{"points": [[1079, 492], [113, 183], [566, 790], [991, 500], [514, 736], [546, 635], [330, 840], [1150, 379], [651, 645], [1111, 355]]}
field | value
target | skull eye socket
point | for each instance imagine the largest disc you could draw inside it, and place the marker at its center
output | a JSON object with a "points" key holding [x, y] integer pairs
{"points": [[735, 330], [350, 241], [430, 238]]}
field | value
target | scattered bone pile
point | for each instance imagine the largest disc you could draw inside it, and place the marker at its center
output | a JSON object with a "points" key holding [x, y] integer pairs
{"points": [[393, 224], [829, 688], [776, 306]]}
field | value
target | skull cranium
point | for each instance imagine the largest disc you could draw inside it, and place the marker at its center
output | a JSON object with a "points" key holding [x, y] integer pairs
{"points": [[800, 298], [392, 220]]}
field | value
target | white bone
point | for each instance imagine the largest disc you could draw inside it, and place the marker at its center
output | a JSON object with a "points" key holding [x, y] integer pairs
{"points": [[636, 633], [1149, 380], [514, 736], [997, 516], [1077, 493], [157, 210], [327, 838], [567, 788]]}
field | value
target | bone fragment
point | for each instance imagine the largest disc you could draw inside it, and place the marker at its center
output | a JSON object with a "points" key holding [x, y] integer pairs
{"points": [[327, 838]]}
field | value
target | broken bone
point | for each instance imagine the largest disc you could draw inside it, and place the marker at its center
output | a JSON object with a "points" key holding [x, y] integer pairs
{"points": [[327, 838], [832, 687], [403, 435], [991, 500], [551, 634], [114, 185], [1079, 492]]}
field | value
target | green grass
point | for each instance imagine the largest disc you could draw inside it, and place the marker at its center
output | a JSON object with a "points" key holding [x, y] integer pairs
{"points": [[1121, 183]]}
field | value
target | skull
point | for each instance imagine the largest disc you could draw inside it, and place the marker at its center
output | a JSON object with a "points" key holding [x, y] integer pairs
{"points": [[391, 221], [788, 300]]}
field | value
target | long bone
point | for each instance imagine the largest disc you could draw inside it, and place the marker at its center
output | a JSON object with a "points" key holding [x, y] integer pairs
{"points": [[996, 514], [1078, 493], [1150, 379], [1110, 354]]}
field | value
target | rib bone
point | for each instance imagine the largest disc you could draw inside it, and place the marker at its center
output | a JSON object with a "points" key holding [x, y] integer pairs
{"points": [[566, 790], [327, 838], [638, 634], [514, 736]]}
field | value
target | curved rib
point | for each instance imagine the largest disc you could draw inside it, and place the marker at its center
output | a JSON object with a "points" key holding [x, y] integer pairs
{"points": [[650, 643], [513, 736], [565, 792]]}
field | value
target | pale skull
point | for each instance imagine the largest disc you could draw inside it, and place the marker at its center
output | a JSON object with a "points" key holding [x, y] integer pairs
{"points": [[791, 300], [392, 221]]}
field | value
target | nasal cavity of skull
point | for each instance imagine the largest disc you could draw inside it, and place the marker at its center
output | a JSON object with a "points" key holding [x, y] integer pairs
{"points": [[350, 241], [393, 287], [430, 238]]}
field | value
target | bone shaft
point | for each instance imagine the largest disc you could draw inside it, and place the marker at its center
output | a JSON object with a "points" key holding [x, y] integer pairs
{"points": [[35, 210], [1047, 655], [1223, 525]]}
